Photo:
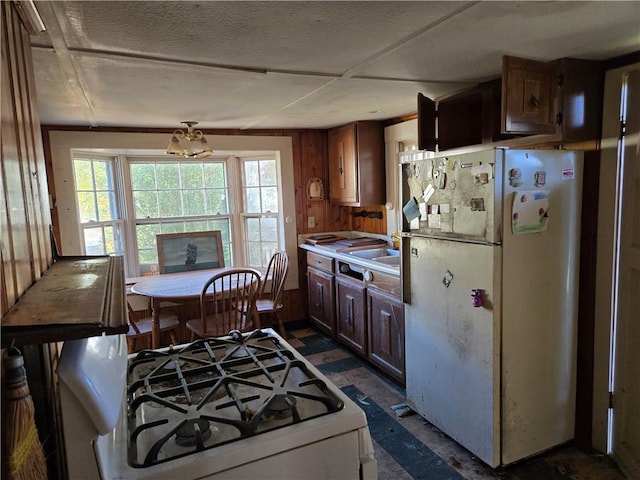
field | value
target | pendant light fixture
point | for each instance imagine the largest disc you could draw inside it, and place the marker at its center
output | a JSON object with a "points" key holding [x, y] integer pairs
{"points": [[189, 144]]}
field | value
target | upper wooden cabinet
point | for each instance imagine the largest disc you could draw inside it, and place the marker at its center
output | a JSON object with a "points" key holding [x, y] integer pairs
{"points": [[356, 164], [540, 102], [528, 94], [470, 117], [562, 98]]}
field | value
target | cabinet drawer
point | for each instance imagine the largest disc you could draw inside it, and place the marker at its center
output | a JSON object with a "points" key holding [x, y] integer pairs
{"points": [[320, 262], [386, 283]]}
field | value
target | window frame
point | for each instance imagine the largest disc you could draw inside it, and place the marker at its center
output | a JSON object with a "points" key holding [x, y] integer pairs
{"points": [[234, 185], [63, 142]]}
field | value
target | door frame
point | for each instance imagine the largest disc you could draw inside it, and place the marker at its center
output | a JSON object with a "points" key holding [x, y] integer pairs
{"points": [[604, 310]]}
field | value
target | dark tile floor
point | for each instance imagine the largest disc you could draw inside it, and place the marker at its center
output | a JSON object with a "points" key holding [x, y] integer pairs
{"points": [[410, 447]]}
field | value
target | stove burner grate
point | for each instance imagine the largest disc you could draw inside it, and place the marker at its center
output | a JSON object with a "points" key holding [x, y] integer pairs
{"points": [[216, 391]]}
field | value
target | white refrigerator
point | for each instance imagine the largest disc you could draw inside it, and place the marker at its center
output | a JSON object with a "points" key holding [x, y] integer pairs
{"points": [[490, 279]]}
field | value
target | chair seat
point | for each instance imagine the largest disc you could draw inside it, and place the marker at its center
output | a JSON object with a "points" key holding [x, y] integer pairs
{"points": [[214, 328], [265, 305], [168, 321]]}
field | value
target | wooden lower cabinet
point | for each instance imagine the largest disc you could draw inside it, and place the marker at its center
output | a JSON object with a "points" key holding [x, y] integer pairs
{"points": [[321, 300], [386, 332], [351, 310]]}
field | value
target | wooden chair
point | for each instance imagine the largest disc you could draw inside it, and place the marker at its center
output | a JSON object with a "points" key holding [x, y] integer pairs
{"points": [[269, 303], [140, 326], [227, 302]]}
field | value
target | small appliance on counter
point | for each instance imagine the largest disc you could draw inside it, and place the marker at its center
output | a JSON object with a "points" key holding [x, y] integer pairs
{"points": [[241, 406]]}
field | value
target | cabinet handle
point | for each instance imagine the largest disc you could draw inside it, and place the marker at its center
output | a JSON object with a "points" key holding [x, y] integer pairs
{"points": [[534, 102], [349, 314], [320, 292], [341, 168]]}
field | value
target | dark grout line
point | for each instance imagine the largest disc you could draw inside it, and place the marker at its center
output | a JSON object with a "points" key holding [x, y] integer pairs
{"points": [[415, 457]]}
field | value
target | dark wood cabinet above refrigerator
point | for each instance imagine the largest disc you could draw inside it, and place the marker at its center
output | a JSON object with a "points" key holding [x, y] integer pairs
{"points": [[532, 103], [470, 117]]}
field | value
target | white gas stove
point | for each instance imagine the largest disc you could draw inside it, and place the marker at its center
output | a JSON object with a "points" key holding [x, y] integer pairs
{"points": [[236, 407]]}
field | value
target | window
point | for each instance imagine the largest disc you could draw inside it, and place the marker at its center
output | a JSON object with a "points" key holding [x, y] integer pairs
{"points": [[238, 195], [260, 195], [98, 209]]}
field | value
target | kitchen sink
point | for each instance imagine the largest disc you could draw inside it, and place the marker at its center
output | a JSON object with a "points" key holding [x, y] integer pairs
{"points": [[392, 260], [374, 253]]}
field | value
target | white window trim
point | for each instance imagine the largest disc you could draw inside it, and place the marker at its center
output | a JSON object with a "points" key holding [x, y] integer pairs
{"points": [[109, 143]]}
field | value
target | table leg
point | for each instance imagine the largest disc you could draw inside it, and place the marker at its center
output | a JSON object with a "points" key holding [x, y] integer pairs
{"points": [[155, 325]]}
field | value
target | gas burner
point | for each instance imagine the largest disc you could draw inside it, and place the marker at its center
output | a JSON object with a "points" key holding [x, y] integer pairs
{"points": [[280, 406], [218, 390], [187, 434]]}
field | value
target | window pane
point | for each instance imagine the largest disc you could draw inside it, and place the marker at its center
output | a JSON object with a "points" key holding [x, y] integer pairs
{"points": [[191, 174], [170, 203], [86, 207], [269, 228], [214, 175], [148, 256], [255, 254], [268, 248], [110, 240], [194, 202], [270, 199], [147, 251], [83, 174], [93, 243], [268, 173], [173, 227], [252, 200], [216, 202], [143, 176], [145, 204], [200, 226], [253, 229], [101, 175], [106, 206], [168, 175], [146, 235], [251, 174]]}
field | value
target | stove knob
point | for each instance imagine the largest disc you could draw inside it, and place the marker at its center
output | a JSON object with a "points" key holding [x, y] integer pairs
{"points": [[368, 275]]}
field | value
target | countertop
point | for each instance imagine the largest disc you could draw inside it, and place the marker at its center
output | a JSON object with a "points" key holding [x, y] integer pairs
{"points": [[340, 253]]}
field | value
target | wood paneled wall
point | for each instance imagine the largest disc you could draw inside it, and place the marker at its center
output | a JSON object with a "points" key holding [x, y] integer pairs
{"points": [[25, 245]]}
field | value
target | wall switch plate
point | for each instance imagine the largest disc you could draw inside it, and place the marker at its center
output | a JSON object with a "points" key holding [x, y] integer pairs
{"points": [[311, 222]]}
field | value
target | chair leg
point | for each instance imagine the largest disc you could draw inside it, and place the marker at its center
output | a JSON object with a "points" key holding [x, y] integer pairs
{"points": [[283, 332]]}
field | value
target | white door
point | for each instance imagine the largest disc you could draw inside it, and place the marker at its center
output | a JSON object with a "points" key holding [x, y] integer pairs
{"points": [[626, 399]]}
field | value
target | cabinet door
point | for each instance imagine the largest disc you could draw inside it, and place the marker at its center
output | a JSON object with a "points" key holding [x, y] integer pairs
{"points": [[321, 300], [351, 325], [343, 178], [386, 332], [529, 90], [426, 123]]}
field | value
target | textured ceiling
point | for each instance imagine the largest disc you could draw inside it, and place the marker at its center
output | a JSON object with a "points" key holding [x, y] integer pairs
{"points": [[308, 64]]}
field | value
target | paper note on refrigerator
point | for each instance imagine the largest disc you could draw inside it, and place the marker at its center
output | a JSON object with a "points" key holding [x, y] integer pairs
{"points": [[530, 211]]}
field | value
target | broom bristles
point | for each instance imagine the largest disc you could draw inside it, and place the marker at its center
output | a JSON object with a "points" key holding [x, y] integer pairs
{"points": [[23, 454]]}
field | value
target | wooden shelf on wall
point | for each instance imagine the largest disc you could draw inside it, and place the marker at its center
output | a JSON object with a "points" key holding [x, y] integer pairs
{"points": [[77, 297]]}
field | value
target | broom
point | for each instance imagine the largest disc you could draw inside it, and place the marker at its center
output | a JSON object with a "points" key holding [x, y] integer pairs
{"points": [[22, 452]]}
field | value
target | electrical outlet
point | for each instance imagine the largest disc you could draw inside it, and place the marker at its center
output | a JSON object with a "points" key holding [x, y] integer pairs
{"points": [[311, 222]]}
